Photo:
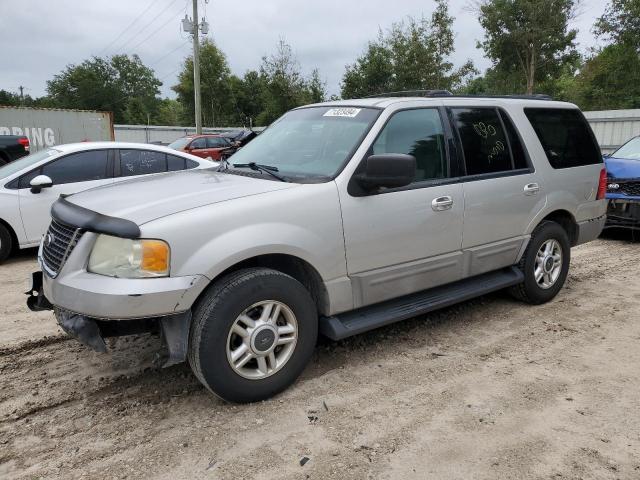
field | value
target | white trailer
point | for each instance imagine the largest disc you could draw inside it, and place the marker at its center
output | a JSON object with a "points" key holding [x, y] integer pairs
{"points": [[47, 127]]}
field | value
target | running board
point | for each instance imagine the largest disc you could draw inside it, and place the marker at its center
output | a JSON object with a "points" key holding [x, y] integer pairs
{"points": [[358, 321]]}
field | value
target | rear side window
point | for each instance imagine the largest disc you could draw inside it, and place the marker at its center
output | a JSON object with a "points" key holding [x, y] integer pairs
{"points": [[565, 137], [484, 140], [141, 162], [216, 142], [175, 163], [419, 133], [77, 167]]}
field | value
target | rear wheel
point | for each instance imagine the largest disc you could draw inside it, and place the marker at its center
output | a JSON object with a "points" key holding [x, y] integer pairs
{"points": [[252, 334], [545, 264], [6, 243]]}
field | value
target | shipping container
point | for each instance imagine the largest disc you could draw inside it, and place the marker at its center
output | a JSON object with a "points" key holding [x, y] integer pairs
{"points": [[47, 127]]}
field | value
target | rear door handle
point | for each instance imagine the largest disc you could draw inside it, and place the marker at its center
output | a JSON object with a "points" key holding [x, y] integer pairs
{"points": [[442, 203], [531, 189]]}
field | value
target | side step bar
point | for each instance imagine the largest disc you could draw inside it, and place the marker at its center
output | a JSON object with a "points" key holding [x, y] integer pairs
{"points": [[358, 321]]}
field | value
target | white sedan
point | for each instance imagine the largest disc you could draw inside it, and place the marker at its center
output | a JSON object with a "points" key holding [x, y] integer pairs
{"points": [[30, 185]]}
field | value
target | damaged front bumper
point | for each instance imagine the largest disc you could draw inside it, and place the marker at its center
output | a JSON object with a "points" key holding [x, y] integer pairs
{"points": [[623, 214], [91, 331]]}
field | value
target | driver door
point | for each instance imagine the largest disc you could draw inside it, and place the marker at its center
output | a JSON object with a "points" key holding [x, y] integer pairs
{"points": [[403, 240], [70, 174]]}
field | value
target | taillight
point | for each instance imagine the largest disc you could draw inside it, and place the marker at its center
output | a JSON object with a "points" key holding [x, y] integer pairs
{"points": [[24, 141], [602, 185]]}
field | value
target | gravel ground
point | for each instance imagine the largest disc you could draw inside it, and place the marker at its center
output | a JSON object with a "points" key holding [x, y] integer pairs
{"points": [[488, 389]]}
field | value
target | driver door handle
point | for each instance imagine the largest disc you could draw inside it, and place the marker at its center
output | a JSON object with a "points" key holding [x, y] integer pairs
{"points": [[442, 203], [531, 189]]}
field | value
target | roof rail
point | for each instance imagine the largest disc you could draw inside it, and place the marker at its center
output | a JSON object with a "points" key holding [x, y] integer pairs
{"points": [[447, 93], [413, 93]]}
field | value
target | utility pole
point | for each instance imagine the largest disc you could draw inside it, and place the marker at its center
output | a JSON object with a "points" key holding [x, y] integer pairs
{"points": [[21, 88], [193, 27], [196, 68]]}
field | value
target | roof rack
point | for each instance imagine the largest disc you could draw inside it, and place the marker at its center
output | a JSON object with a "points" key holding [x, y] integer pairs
{"points": [[413, 93], [447, 93]]}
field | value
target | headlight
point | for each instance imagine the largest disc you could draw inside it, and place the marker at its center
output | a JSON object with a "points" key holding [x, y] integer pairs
{"points": [[124, 258]]}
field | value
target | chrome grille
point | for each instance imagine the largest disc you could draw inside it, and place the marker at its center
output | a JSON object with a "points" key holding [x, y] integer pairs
{"points": [[59, 242]]}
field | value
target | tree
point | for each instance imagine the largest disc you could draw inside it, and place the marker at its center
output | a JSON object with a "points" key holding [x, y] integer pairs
{"points": [[610, 79], [119, 84], [412, 55], [216, 100], [283, 85], [621, 23], [530, 37], [372, 72]]}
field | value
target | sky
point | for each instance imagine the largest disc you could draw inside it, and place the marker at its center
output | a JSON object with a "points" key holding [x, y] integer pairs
{"points": [[40, 37]]}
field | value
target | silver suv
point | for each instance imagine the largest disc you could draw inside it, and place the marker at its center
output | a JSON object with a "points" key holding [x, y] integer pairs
{"points": [[341, 217]]}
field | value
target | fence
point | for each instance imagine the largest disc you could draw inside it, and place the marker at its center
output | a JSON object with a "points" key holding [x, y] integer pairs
{"points": [[614, 127]]}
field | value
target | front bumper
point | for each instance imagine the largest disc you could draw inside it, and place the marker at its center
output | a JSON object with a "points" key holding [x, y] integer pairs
{"points": [[623, 214]]}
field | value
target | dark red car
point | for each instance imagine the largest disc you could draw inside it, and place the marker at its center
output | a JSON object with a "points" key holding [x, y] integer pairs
{"points": [[204, 146]]}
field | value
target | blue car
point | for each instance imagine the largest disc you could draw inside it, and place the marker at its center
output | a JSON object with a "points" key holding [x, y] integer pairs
{"points": [[623, 186]]}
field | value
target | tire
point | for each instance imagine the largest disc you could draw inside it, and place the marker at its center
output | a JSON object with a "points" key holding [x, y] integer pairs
{"points": [[6, 243], [533, 290], [213, 340]]}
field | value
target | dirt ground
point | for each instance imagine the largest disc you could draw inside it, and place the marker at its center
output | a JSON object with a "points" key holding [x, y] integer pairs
{"points": [[488, 389]]}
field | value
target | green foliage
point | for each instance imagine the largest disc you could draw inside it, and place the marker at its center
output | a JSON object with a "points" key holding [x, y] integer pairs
{"points": [[120, 84], [610, 79], [412, 55], [621, 23], [529, 37], [258, 98]]}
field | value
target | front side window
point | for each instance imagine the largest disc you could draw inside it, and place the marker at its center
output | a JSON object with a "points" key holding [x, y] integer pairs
{"points": [[565, 136], [418, 133], [141, 162], [310, 144], [78, 167], [198, 144], [484, 141]]}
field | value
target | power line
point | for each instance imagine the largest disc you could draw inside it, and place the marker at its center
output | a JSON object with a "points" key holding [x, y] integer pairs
{"points": [[127, 42], [126, 28], [171, 19], [182, 45]]}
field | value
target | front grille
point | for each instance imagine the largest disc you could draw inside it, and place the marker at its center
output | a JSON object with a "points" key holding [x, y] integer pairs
{"points": [[630, 188], [624, 187], [59, 242]]}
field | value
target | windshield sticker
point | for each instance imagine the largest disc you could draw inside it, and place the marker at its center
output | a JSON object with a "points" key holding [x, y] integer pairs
{"points": [[342, 112]]}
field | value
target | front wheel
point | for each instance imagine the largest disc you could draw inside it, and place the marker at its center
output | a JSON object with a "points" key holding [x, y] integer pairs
{"points": [[253, 333], [545, 264]]}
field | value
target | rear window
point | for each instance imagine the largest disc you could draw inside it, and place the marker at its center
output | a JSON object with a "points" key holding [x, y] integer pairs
{"points": [[565, 136]]}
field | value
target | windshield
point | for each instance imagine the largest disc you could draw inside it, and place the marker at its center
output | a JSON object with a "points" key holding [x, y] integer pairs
{"points": [[180, 143], [310, 142], [26, 162], [629, 151]]}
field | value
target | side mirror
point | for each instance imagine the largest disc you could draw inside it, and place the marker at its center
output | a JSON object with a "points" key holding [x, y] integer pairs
{"points": [[391, 170], [40, 182]]}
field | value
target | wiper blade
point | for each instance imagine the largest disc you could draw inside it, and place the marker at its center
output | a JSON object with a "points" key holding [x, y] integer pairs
{"points": [[268, 169]]}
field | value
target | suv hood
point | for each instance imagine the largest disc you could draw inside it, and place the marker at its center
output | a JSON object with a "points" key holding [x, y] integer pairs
{"points": [[148, 198], [622, 168]]}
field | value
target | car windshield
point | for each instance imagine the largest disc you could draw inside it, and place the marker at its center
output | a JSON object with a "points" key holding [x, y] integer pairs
{"points": [[309, 142], [180, 143], [26, 162], [629, 151]]}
